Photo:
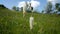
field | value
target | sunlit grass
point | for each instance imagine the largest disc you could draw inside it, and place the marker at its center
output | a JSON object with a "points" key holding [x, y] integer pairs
{"points": [[12, 22]]}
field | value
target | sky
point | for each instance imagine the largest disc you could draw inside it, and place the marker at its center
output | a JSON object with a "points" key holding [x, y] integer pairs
{"points": [[37, 4]]}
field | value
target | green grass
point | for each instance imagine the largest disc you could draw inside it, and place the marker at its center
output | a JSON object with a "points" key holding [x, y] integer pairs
{"points": [[12, 22]]}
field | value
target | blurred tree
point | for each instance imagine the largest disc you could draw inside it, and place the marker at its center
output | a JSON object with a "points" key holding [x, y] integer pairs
{"points": [[49, 7], [21, 8], [42, 11], [17, 8], [2, 6], [57, 6], [14, 8]]}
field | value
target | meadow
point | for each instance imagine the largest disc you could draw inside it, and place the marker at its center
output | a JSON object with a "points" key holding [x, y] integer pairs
{"points": [[12, 22]]}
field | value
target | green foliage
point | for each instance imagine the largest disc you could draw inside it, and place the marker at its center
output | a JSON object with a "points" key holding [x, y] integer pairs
{"points": [[49, 7], [57, 6], [2, 6], [42, 11], [21, 8], [14, 7], [12, 22]]}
